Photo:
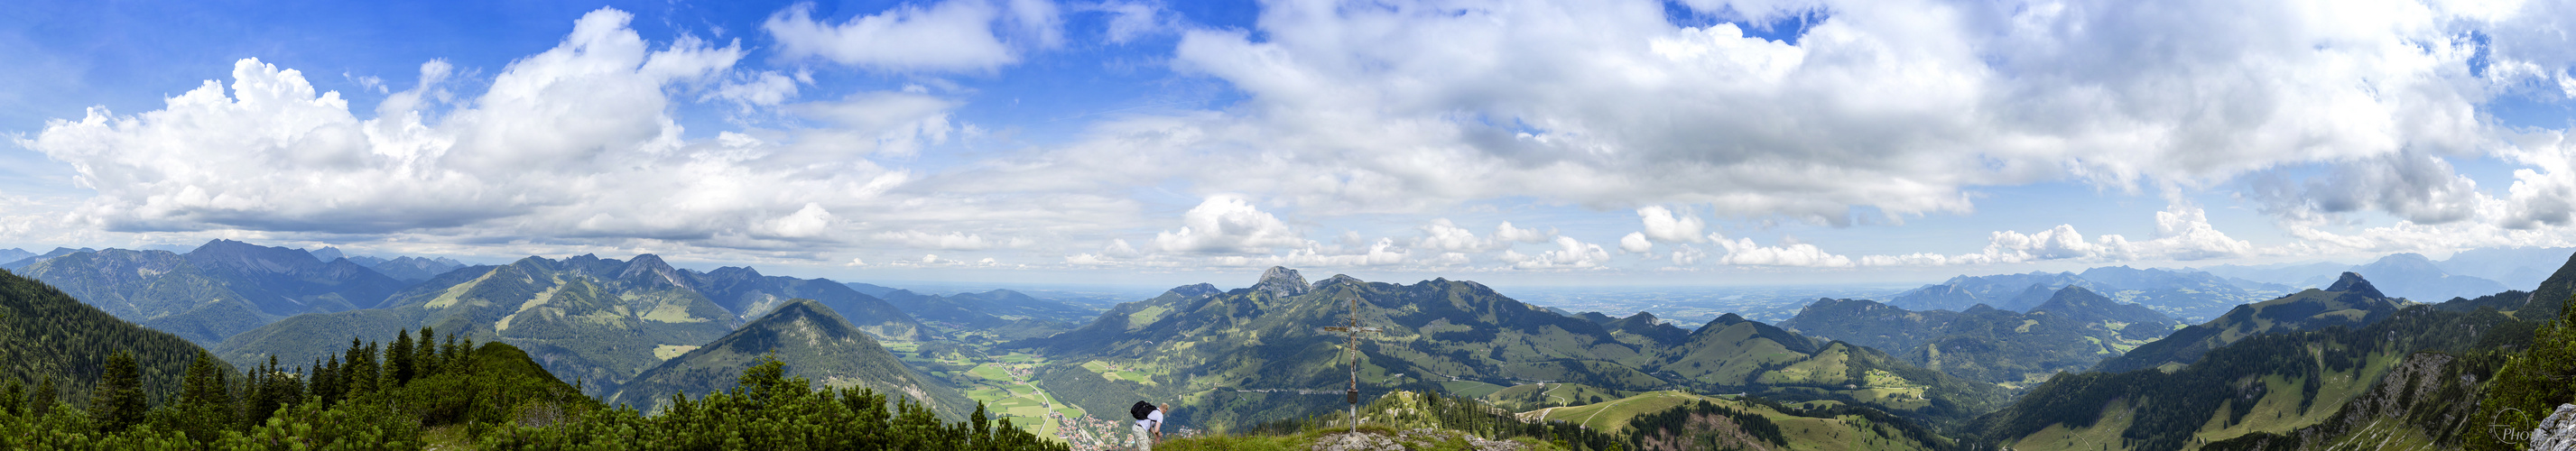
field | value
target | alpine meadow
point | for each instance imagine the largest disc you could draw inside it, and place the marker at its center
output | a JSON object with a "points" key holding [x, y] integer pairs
{"points": [[1274, 225]]}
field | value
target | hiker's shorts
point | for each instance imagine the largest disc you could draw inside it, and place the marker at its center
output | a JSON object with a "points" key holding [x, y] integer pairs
{"points": [[1144, 438]]}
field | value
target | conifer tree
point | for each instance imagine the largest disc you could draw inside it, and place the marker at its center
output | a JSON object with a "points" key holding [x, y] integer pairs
{"points": [[375, 368], [398, 360], [118, 402], [327, 386], [983, 428], [204, 384], [283, 386], [360, 370], [349, 370], [42, 403], [451, 355], [14, 401], [258, 402], [205, 404], [424, 358]]}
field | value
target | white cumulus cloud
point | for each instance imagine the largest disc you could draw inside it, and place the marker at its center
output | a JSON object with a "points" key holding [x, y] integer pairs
{"points": [[576, 142], [1743, 251], [1636, 243], [953, 35], [1228, 224], [1662, 225], [1569, 253], [1506, 233]]}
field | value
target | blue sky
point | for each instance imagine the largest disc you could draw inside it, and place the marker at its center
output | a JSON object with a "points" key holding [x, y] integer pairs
{"points": [[1694, 142]]}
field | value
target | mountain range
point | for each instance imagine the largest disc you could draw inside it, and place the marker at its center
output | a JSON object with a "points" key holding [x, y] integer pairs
{"points": [[45, 334], [13, 265], [2467, 274], [2413, 277], [1002, 314], [1248, 355], [2271, 383], [2351, 302], [222, 288], [600, 321], [2351, 364], [2515, 267], [2183, 294], [816, 343], [2071, 331]]}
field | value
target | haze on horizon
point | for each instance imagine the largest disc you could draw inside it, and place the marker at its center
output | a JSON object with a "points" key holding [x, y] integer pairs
{"points": [[1136, 142]]}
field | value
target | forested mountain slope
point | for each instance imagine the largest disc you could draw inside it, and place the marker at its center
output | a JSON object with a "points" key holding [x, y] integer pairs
{"points": [[2185, 294], [1258, 354], [2350, 302], [600, 321], [816, 344], [2267, 383], [2071, 331], [45, 334], [583, 324], [218, 290]]}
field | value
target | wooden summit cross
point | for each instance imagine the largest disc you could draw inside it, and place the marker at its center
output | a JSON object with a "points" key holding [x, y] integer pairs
{"points": [[1354, 330]]}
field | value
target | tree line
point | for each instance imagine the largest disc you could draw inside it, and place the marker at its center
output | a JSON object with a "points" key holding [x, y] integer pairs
{"points": [[416, 392]]}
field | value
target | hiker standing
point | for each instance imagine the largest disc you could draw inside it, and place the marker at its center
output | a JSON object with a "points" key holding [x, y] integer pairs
{"points": [[1149, 424]]}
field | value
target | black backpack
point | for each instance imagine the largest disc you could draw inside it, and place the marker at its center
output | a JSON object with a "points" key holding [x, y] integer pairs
{"points": [[1140, 409]]}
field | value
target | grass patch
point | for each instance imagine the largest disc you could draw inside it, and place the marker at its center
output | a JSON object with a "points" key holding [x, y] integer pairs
{"points": [[2104, 434], [1469, 389], [666, 352], [1613, 415], [1145, 317], [990, 372]]}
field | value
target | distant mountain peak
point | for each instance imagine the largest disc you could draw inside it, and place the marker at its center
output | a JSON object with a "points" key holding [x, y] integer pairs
{"points": [[2407, 256], [827, 322], [1648, 317], [652, 266], [735, 271], [2079, 299], [1283, 282], [1595, 317], [241, 251], [1338, 279], [2075, 293], [1727, 319], [1195, 290], [2353, 282]]}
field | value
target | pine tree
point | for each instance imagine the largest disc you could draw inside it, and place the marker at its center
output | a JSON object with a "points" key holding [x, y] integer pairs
{"points": [[327, 386], [398, 360], [258, 402], [983, 428], [118, 402], [283, 384], [42, 403], [424, 358], [14, 401], [358, 371], [765, 383], [205, 406], [451, 356], [204, 384], [374, 367]]}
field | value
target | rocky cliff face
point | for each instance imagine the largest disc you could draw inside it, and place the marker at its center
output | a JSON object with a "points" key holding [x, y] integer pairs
{"points": [[2558, 432]]}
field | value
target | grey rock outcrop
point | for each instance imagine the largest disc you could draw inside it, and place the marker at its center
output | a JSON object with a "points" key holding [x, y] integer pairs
{"points": [[1283, 282], [2558, 432]]}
